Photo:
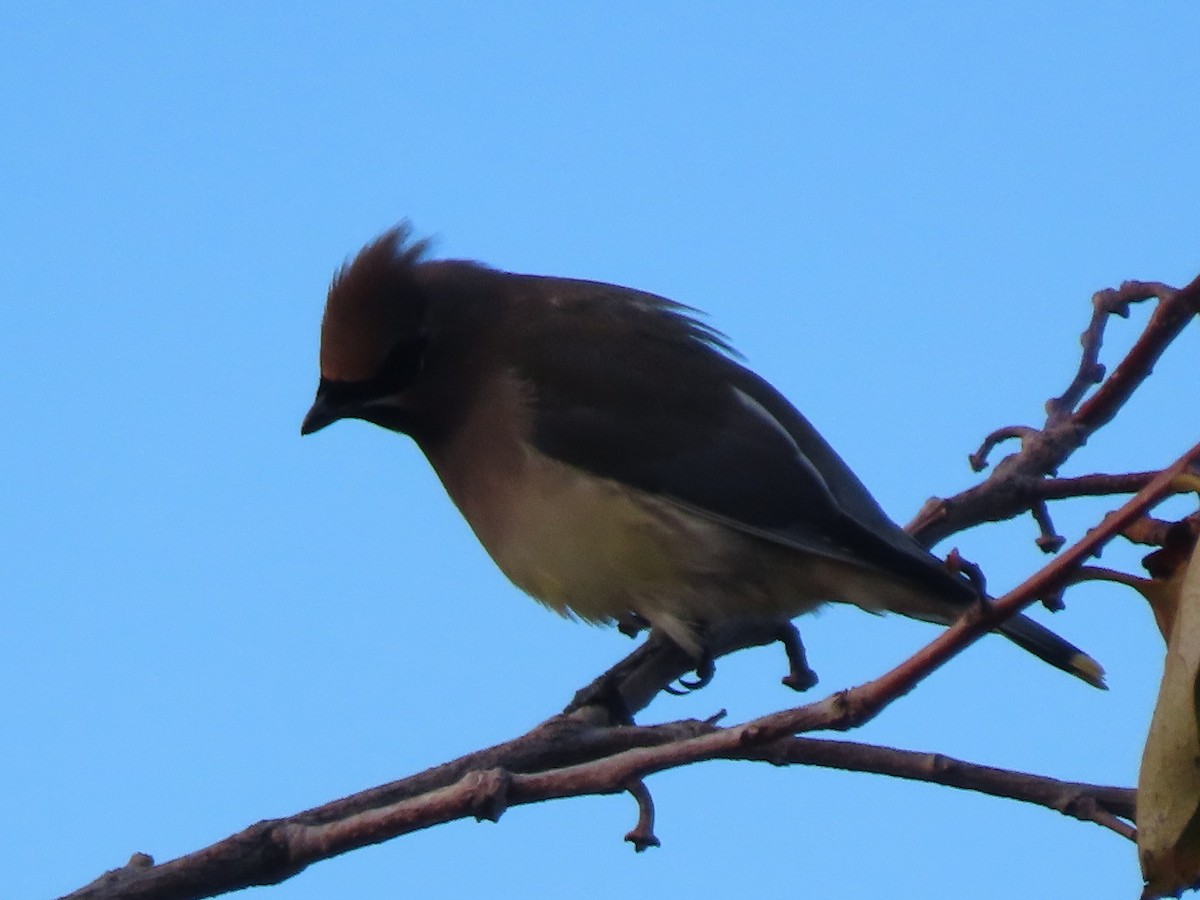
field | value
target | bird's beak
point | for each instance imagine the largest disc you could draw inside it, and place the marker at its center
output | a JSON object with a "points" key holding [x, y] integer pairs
{"points": [[321, 414]]}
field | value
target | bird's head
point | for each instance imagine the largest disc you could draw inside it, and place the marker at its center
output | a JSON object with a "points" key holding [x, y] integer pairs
{"points": [[374, 337]]}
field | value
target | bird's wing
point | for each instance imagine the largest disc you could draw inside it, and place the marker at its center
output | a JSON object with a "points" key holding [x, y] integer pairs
{"points": [[647, 397]]}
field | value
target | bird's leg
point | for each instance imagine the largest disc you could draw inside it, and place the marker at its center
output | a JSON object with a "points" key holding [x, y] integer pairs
{"points": [[705, 665], [629, 686], [631, 624], [800, 676]]}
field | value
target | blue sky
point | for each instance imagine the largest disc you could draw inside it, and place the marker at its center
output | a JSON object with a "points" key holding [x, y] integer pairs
{"points": [[898, 216]]}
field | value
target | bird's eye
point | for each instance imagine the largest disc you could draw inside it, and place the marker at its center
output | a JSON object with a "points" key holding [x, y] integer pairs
{"points": [[397, 373], [402, 365]]}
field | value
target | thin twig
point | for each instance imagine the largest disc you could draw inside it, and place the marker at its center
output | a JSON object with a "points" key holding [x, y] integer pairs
{"points": [[1091, 372], [1097, 485], [1105, 806], [979, 459], [1013, 488], [642, 835]]}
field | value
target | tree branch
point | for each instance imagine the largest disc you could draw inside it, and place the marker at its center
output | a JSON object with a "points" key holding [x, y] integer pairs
{"points": [[274, 850], [1105, 806], [1016, 483]]}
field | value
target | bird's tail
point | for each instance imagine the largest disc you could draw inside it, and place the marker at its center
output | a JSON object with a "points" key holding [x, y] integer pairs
{"points": [[1045, 644]]}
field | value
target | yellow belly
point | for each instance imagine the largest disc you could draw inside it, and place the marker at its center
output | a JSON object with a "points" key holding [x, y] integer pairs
{"points": [[582, 545]]}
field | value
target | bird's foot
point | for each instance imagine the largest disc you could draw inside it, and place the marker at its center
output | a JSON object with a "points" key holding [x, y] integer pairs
{"points": [[705, 669], [800, 676]]}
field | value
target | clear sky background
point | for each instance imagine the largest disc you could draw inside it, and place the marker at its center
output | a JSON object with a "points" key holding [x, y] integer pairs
{"points": [[897, 212]]}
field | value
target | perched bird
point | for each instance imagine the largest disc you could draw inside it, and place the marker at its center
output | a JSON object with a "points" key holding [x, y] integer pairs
{"points": [[613, 456]]}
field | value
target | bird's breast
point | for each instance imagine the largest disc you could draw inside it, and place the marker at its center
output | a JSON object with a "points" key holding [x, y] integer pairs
{"points": [[577, 543], [574, 541]]}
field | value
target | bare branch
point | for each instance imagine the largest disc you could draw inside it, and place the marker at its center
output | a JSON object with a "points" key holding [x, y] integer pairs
{"points": [[1102, 573], [1105, 806], [1048, 540], [1091, 372], [1174, 311], [1014, 485], [1092, 485], [979, 459]]}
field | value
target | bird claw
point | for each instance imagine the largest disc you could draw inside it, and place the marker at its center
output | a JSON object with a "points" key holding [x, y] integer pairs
{"points": [[704, 674], [800, 676]]}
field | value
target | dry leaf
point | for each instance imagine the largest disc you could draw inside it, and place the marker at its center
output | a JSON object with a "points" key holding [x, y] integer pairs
{"points": [[1168, 805], [1167, 566]]}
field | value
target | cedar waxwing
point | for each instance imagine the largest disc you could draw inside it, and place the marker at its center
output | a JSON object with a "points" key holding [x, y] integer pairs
{"points": [[614, 458]]}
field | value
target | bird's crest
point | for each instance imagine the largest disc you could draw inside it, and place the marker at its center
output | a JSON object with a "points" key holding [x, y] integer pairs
{"points": [[373, 300]]}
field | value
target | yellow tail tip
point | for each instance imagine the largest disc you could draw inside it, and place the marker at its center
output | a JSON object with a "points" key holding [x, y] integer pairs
{"points": [[1089, 670]]}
